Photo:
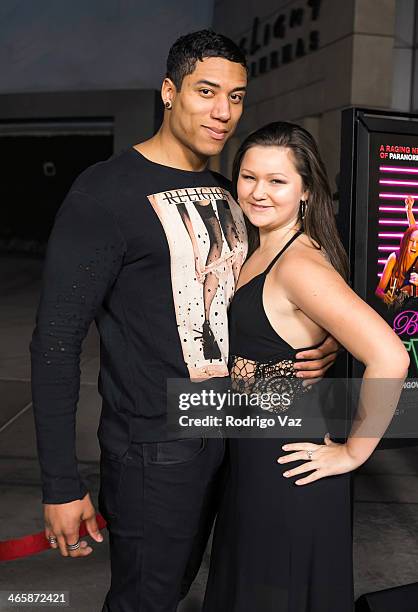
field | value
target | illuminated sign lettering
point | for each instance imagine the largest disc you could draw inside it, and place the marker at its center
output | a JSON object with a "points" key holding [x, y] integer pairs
{"points": [[412, 347], [406, 322], [279, 31]]}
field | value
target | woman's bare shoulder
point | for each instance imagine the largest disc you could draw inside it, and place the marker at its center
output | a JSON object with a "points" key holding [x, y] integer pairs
{"points": [[307, 253]]}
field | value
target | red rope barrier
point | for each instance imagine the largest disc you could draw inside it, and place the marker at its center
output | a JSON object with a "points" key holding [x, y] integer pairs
{"points": [[35, 543]]}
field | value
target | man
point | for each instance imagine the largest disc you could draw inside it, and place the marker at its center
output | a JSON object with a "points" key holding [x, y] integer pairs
{"points": [[149, 245]]}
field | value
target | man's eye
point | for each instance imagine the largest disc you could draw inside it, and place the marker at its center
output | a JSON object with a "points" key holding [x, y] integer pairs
{"points": [[236, 98], [205, 92]]}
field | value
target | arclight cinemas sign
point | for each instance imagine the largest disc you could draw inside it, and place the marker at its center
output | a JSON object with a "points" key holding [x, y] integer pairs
{"points": [[277, 41]]}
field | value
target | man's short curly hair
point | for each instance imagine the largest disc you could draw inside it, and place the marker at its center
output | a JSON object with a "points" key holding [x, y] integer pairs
{"points": [[188, 49]]}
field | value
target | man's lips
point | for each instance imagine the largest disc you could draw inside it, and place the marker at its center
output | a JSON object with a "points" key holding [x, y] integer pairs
{"points": [[216, 133]]}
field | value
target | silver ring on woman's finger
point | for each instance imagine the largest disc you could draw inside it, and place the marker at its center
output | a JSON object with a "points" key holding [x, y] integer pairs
{"points": [[310, 453], [73, 546], [52, 540]]}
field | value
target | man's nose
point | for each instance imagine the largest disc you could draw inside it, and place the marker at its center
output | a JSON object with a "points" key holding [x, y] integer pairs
{"points": [[221, 109]]}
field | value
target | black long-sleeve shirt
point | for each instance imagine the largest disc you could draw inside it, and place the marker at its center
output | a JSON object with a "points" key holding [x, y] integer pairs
{"points": [[151, 254]]}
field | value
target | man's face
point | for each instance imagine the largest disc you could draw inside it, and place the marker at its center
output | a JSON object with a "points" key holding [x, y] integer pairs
{"points": [[206, 110]]}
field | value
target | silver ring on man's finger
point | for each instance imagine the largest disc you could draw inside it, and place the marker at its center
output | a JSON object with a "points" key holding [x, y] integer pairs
{"points": [[310, 453], [52, 540], [73, 546]]}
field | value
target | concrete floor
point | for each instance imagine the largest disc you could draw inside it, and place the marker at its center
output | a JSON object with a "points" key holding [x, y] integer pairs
{"points": [[386, 518]]}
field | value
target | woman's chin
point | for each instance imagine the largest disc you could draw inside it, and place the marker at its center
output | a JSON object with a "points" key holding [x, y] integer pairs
{"points": [[257, 222], [261, 218]]}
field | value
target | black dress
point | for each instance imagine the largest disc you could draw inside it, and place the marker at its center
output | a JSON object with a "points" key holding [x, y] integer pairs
{"points": [[278, 547]]}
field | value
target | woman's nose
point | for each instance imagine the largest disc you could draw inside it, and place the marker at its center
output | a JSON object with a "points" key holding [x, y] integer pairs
{"points": [[259, 192]]}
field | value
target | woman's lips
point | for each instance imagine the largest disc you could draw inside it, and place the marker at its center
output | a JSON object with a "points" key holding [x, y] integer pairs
{"points": [[259, 207]]}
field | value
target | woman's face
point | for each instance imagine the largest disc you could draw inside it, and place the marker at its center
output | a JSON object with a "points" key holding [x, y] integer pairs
{"points": [[269, 187], [413, 244]]}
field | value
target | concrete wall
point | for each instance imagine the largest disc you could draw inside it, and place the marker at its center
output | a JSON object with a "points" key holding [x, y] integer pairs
{"points": [[353, 65], [403, 55], [132, 115], [373, 57], [54, 45]]}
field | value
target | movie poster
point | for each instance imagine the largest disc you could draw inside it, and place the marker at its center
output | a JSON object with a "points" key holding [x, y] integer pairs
{"points": [[392, 250]]}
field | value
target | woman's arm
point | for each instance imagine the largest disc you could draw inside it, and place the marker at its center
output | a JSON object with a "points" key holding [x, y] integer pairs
{"points": [[409, 202], [385, 278], [324, 297]]}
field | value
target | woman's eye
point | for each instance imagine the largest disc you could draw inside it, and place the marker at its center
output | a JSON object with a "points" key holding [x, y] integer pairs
{"points": [[247, 176], [275, 181]]}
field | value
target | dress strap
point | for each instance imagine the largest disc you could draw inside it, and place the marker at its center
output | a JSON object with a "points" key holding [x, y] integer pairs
{"points": [[288, 243]]}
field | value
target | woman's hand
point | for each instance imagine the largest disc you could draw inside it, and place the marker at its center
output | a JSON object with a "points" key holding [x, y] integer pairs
{"points": [[413, 279], [328, 459], [388, 298], [409, 202]]}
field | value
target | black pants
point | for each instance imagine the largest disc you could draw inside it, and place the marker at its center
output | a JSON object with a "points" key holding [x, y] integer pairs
{"points": [[160, 501]]}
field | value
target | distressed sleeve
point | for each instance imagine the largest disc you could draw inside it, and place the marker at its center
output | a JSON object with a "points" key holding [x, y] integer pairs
{"points": [[84, 257]]}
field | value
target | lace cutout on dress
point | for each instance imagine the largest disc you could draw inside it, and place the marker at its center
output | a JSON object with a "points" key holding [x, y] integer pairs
{"points": [[250, 376]]}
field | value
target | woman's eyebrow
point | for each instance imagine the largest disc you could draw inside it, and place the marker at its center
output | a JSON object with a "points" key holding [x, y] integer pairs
{"points": [[269, 174]]}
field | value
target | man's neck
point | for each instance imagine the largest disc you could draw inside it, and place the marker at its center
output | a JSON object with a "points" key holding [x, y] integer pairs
{"points": [[164, 149]]}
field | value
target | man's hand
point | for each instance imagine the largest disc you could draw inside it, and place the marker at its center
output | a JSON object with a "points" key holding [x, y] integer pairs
{"points": [[322, 358], [62, 521]]}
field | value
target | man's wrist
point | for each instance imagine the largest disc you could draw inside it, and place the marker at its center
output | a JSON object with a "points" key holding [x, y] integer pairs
{"points": [[63, 491]]}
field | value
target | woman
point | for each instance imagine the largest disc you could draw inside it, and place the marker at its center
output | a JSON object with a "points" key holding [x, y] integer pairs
{"points": [[210, 273], [283, 537], [399, 280]]}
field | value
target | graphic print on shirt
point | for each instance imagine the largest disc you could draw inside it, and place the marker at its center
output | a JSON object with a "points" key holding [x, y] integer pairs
{"points": [[207, 238]]}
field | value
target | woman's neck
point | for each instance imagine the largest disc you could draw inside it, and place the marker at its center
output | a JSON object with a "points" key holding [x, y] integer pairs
{"points": [[276, 238], [410, 260]]}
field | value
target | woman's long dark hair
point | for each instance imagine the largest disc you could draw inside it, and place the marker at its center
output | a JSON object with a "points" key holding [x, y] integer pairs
{"points": [[401, 265], [319, 221]]}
